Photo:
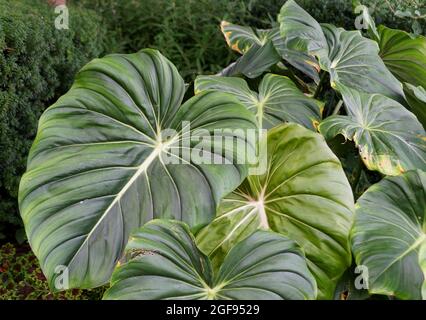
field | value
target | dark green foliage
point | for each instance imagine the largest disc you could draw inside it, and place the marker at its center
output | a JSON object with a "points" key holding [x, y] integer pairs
{"points": [[37, 65], [387, 12], [408, 15], [21, 278], [358, 175], [186, 31]]}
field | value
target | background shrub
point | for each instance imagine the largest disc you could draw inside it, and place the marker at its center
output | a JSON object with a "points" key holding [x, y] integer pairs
{"points": [[187, 31], [408, 15], [37, 65]]}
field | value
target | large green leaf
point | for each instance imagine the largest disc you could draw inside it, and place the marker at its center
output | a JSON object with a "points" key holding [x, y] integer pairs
{"points": [[98, 167], [304, 195], [243, 39], [389, 137], [301, 29], [416, 97], [389, 235], [252, 64], [166, 264], [351, 59], [404, 55], [278, 100]]}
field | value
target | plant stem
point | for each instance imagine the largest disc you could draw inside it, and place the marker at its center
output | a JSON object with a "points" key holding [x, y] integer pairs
{"points": [[337, 107], [320, 84]]}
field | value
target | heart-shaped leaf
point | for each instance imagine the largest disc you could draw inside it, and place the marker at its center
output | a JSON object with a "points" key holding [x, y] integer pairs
{"points": [[243, 39], [416, 97], [389, 235], [252, 64], [404, 55], [390, 139], [302, 31], [351, 59], [304, 195], [278, 100], [165, 263], [98, 169]]}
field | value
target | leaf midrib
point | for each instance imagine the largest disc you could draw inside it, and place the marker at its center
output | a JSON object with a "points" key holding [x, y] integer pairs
{"points": [[414, 246], [156, 152]]}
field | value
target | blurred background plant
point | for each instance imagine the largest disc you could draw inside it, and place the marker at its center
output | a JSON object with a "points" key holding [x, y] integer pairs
{"points": [[186, 31], [38, 64], [408, 15]]}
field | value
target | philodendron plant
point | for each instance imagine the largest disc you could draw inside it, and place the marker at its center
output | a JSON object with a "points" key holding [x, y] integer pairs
{"points": [[129, 181]]}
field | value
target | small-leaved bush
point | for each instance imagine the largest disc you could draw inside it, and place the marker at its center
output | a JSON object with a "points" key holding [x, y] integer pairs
{"points": [[37, 65]]}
